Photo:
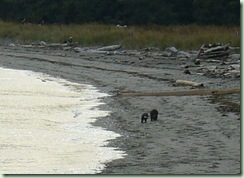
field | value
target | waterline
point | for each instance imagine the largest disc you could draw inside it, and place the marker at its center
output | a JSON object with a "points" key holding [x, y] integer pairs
{"points": [[46, 126]]}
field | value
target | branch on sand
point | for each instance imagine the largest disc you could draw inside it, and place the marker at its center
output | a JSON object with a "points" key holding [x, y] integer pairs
{"points": [[183, 93]]}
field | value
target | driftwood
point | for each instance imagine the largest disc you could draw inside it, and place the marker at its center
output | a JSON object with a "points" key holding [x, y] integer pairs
{"points": [[27, 46], [183, 93], [217, 48], [214, 56], [109, 48], [42, 44], [216, 51], [52, 45], [186, 82]]}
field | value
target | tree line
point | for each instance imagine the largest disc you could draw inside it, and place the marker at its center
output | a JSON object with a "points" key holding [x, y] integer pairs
{"points": [[129, 12]]}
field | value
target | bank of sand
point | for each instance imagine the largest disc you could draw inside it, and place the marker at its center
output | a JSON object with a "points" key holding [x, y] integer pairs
{"points": [[193, 135], [45, 126]]}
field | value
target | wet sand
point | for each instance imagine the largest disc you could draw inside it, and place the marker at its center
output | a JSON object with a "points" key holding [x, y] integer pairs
{"points": [[193, 135]]}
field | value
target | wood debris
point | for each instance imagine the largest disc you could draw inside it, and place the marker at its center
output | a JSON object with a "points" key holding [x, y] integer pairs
{"points": [[183, 93], [214, 51], [186, 82]]}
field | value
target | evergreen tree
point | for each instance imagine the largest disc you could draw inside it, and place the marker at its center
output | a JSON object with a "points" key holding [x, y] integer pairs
{"points": [[131, 12]]}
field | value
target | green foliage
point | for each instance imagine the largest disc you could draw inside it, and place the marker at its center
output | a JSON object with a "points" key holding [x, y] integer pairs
{"points": [[130, 12], [217, 11]]}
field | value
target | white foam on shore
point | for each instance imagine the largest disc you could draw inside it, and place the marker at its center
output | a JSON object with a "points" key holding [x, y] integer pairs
{"points": [[45, 126]]}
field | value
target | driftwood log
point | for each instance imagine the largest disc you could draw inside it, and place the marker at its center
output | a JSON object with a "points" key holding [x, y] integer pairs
{"points": [[217, 51], [186, 82], [217, 48], [183, 93], [215, 55], [109, 48]]}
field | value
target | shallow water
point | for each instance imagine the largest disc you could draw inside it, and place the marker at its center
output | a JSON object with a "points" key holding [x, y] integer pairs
{"points": [[46, 126]]}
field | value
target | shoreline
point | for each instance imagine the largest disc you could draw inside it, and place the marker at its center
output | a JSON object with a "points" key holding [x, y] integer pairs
{"points": [[45, 125], [191, 136]]}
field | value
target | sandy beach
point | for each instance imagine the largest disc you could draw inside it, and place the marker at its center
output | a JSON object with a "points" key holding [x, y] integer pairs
{"points": [[193, 134]]}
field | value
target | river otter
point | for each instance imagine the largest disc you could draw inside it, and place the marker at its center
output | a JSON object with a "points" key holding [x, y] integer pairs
{"points": [[144, 118], [154, 115]]}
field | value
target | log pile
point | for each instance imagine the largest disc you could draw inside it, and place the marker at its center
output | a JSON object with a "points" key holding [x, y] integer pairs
{"points": [[213, 51]]}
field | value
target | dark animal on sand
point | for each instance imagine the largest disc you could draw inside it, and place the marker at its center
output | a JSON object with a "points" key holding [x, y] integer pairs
{"points": [[144, 117], [154, 115], [187, 72]]}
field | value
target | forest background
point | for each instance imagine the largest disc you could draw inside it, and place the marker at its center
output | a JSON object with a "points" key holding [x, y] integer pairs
{"points": [[185, 24], [129, 12]]}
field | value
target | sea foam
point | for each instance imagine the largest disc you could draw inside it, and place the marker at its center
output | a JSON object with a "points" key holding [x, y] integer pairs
{"points": [[46, 126]]}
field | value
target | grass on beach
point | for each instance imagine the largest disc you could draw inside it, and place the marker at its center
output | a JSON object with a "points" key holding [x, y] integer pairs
{"points": [[133, 37]]}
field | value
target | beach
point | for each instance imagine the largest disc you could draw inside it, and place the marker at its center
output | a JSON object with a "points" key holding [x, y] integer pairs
{"points": [[193, 134]]}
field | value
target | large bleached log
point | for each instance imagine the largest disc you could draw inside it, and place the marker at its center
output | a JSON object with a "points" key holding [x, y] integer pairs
{"points": [[183, 93], [109, 48], [54, 45], [214, 55], [186, 82], [216, 52], [217, 48], [27, 46], [43, 44]]}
